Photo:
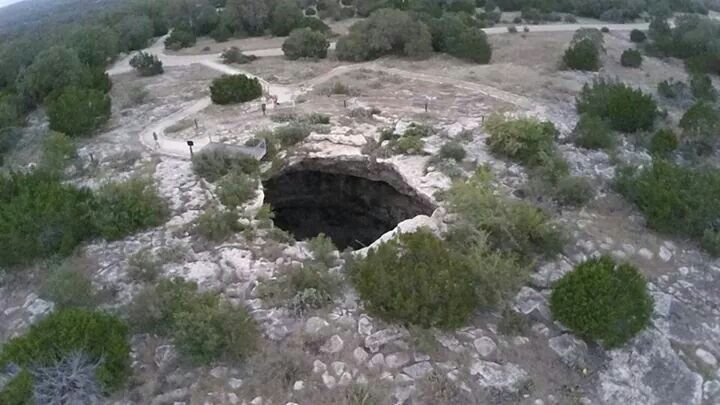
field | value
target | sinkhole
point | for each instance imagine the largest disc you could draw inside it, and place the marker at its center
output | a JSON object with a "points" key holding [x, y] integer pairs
{"points": [[352, 202]]}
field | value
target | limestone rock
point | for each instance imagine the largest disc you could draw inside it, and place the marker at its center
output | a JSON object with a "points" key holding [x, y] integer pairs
{"points": [[315, 325], [572, 351], [508, 377], [484, 346], [333, 345], [396, 360], [380, 338], [360, 355], [418, 370]]}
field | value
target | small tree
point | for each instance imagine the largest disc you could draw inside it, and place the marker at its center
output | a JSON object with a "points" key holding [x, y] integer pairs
{"points": [[631, 58], [637, 36], [603, 301], [285, 17], [230, 89], [626, 109], [78, 111], [235, 55], [592, 132], [471, 44], [417, 279], [583, 55], [305, 43], [663, 142], [180, 38], [146, 64]]}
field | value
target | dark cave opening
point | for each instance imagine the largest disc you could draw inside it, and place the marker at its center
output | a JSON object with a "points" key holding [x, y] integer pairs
{"points": [[352, 211]]}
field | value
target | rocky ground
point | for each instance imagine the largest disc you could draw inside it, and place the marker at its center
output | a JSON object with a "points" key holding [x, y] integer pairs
{"points": [[343, 350]]}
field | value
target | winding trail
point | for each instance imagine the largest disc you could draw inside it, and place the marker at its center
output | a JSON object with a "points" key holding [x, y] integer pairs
{"points": [[288, 93]]}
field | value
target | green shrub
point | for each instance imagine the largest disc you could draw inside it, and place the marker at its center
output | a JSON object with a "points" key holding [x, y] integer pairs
{"points": [[511, 226], [235, 55], [663, 143], [315, 24], [675, 200], [323, 250], [386, 31], [700, 125], [78, 111], [453, 150], [603, 301], [573, 191], [69, 286], [180, 38], [100, 336], [592, 132], [672, 89], [626, 109], [583, 55], [214, 163], [471, 44], [711, 242], [236, 188], [144, 266], [637, 36], [285, 17], [305, 43], [231, 89], [123, 208], [416, 279], [631, 58], [19, 390], [41, 217], [526, 140], [302, 288], [221, 33], [702, 87], [204, 328], [58, 150], [409, 145], [217, 225], [146, 64]]}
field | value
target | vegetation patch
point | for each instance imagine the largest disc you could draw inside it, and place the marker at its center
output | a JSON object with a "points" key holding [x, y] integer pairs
{"points": [[603, 301], [101, 337], [232, 89], [305, 43], [626, 109]]}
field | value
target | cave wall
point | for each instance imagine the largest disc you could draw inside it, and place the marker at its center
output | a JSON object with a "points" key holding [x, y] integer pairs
{"points": [[353, 211]]}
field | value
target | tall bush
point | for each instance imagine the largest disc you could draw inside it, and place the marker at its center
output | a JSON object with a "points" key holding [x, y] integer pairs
{"points": [[603, 301], [230, 89], [146, 64], [305, 43], [626, 109], [78, 111]]}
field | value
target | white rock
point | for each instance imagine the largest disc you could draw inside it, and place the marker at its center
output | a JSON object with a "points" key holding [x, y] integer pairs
{"points": [[233, 399], [397, 360], [257, 401], [418, 370], [333, 345], [299, 385], [315, 325], [365, 327], [345, 379], [646, 254], [665, 254], [338, 367], [490, 374], [484, 346], [386, 376], [328, 380], [360, 355], [361, 379], [235, 383], [706, 357], [380, 338], [319, 367], [219, 372], [377, 361]]}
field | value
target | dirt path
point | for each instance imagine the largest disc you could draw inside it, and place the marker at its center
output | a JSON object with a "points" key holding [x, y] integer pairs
{"points": [[287, 94]]}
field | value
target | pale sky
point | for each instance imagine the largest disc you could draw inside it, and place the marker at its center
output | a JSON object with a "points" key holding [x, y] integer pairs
{"points": [[4, 3]]}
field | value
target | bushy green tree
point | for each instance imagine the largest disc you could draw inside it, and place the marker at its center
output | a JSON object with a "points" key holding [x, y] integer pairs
{"points": [[305, 43], [58, 150], [631, 58], [626, 109], [663, 142], [146, 64], [41, 217], [213, 164], [236, 188], [471, 44], [235, 55], [702, 87], [51, 71], [123, 208], [135, 31], [700, 125], [416, 279], [95, 45], [583, 55], [103, 337], [285, 17], [9, 111], [525, 139], [203, 327], [231, 89], [603, 301], [77, 111], [637, 36], [180, 38], [675, 200], [385, 31], [592, 132], [250, 16]]}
